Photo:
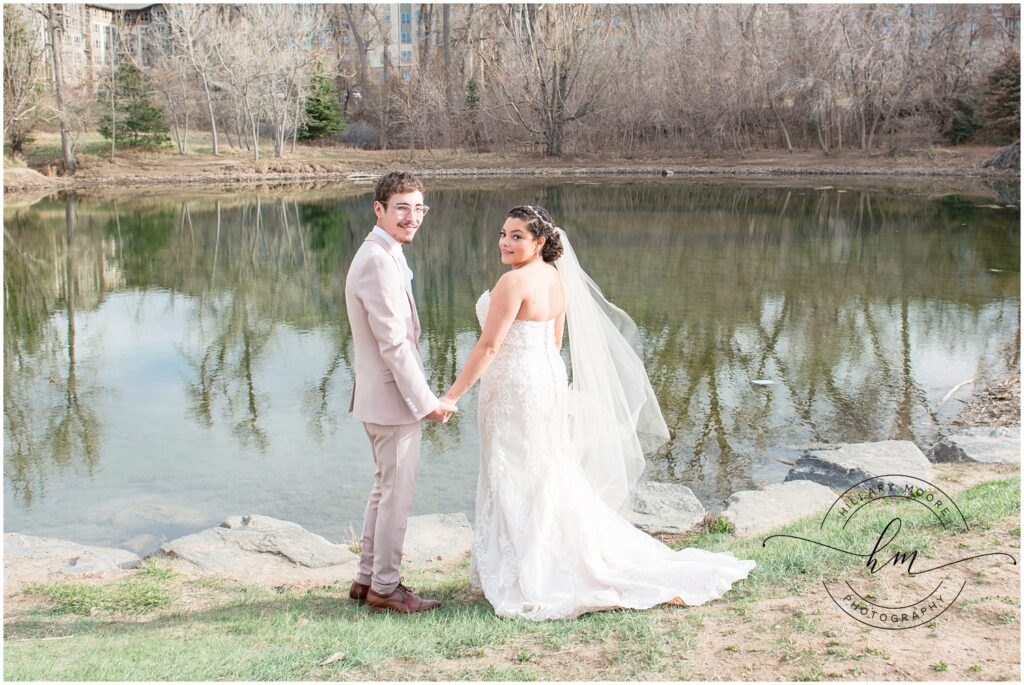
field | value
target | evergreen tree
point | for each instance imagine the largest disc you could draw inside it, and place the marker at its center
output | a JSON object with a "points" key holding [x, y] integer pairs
{"points": [[323, 108], [472, 104], [137, 120], [1000, 103], [962, 123]]}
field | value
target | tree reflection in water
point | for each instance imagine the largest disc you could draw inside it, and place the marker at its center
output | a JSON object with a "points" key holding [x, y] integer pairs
{"points": [[67, 433], [850, 302]]}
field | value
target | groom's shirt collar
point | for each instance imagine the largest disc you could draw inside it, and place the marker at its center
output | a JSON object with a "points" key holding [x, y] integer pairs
{"points": [[394, 247]]}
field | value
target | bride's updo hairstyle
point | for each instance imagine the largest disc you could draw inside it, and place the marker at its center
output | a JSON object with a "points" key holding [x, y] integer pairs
{"points": [[539, 222]]}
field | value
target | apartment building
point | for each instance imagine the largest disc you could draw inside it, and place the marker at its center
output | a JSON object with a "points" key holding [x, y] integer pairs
{"points": [[90, 32]]}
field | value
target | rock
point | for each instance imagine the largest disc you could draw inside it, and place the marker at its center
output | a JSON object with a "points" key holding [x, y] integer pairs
{"points": [[29, 559], [261, 550], [437, 537], [984, 445], [665, 508], [667, 172], [850, 464], [142, 544], [751, 512], [146, 513]]}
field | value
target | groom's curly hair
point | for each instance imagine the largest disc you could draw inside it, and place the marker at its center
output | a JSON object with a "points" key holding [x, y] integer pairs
{"points": [[540, 224], [396, 182]]}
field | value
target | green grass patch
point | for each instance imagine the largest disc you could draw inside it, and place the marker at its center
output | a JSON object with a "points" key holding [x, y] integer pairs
{"points": [[148, 589], [155, 626], [45, 149]]}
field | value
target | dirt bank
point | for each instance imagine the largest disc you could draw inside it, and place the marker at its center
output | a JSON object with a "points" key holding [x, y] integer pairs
{"points": [[141, 169]]}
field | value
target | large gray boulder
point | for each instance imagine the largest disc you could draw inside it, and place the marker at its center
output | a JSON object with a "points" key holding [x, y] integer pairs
{"points": [[29, 560], [437, 537], [852, 463], [984, 445], [261, 550], [665, 508], [752, 512]]}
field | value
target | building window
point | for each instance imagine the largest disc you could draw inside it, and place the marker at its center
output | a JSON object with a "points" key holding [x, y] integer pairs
{"points": [[406, 37], [407, 74], [406, 17], [387, 19], [406, 55]]}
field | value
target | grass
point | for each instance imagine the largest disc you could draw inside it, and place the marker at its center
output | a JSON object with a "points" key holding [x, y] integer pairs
{"points": [[45, 149], [148, 589], [157, 626]]}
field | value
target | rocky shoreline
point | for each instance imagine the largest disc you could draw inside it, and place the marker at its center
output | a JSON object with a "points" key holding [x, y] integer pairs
{"points": [[261, 550]]}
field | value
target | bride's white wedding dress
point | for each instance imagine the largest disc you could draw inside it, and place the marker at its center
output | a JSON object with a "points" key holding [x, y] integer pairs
{"points": [[546, 545]]}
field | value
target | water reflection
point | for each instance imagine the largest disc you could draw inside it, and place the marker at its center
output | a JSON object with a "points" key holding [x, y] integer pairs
{"points": [[66, 433], [198, 349]]}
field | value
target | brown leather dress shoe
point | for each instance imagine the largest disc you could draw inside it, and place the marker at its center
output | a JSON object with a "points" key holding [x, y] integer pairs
{"points": [[357, 593], [401, 600]]}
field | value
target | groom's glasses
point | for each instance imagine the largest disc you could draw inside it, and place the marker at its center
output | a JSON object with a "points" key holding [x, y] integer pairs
{"points": [[402, 210]]}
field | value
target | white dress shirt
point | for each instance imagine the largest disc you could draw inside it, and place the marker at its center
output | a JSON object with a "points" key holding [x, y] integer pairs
{"points": [[396, 250]]}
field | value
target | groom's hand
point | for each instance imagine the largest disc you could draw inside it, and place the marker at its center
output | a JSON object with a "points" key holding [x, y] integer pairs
{"points": [[442, 413]]}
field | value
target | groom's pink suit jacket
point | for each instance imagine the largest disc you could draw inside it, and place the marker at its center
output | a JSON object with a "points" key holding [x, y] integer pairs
{"points": [[389, 387]]}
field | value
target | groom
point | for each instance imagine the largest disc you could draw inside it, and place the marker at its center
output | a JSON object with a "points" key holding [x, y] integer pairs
{"points": [[390, 394]]}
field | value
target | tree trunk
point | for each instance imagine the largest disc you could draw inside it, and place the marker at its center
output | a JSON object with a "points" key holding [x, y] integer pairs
{"points": [[113, 109], [255, 129], [364, 71], [446, 39], [177, 131], [554, 139], [213, 118], [821, 140], [839, 131], [295, 128], [66, 151], [871, 132]]}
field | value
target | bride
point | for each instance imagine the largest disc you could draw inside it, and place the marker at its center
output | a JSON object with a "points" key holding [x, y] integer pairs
{"points": [[558, 462]]}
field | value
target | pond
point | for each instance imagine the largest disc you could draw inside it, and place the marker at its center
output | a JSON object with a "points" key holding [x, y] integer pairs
{"points": [[174, 358]]}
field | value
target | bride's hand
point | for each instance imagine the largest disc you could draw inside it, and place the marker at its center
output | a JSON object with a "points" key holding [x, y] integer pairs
{"points": [[449, 399]]}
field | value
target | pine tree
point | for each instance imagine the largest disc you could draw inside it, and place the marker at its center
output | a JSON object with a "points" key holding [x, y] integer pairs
{"points": [[962, 118], [472, 104], [1000, 103], [137, 120], [323, 108]]}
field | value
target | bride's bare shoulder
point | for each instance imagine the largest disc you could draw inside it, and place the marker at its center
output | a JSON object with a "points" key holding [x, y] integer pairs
{"points": [[511, 280], [527, 279]]}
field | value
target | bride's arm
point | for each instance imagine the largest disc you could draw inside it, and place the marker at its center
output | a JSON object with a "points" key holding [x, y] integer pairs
{"points": [[559, 330], [506, 299]]}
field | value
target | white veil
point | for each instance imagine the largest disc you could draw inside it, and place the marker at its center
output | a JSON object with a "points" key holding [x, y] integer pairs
{"points": [[613, 413]]}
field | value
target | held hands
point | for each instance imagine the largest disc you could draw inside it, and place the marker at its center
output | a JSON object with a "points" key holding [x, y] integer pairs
{"points": [[443, 412]]}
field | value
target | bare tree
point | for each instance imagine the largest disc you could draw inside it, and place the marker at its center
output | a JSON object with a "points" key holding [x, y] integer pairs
{"points": [[66, 143], [24, 73], [636, 79], [195, 32], [543, 74]]}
